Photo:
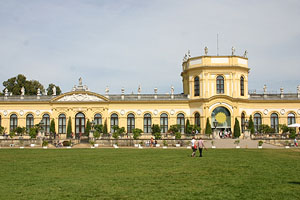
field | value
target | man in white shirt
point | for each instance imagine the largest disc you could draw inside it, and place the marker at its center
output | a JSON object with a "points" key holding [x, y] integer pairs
{"points": [[194, 147]]}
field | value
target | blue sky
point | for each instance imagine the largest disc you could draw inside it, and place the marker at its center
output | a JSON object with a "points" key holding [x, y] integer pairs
{"points": [[125, 43]]}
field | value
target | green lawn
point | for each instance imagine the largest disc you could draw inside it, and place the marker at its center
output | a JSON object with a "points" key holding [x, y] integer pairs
{"points": [[149, 174]]}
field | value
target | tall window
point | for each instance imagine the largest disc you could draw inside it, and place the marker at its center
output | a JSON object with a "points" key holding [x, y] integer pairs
{"points": [[196, 86], [29, 122], [130, 123], [46, 120], [79, 124], [164, 123], [113, 122], [180, 121], [243, 122], [257, 122], [62, 123], [220, 85], [242, 86], [13, 122], [98, 119], [147, 123], [274, 122], [291, 118], [197, 119]]}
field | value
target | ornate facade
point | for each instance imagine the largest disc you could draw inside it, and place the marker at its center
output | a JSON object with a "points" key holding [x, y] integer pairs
{"points": [[214, 87]]}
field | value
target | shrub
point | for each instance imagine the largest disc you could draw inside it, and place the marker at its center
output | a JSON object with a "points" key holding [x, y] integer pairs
{"points": [[20, 130], [251, 125], [33, 132], [156, 131], [105, 128], [66, 143], [99, 128], [69, 128], [260, 143], [174, 129], [2, 130], [237, 142], [196, 129], [287, 143], [165, 143], [45, 143], [208, 130], [87, 127], [136, 133], [12, 134], [177, 135], [237, 129], [52, 127], [92, 143], [96, 134], [188, 127]]}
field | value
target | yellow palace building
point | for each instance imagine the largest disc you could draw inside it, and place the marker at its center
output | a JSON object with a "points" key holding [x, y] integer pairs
{"points": [[214, 87]]}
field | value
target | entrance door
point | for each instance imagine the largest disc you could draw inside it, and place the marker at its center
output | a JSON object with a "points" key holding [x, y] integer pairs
{"points": [[79, 124]]}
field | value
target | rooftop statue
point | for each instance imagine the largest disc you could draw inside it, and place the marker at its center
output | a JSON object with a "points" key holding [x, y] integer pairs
{"points": [[206, 51], [189, 54], [245, 54], [23, 91], [172, 90], [106, 90], [265, 88], [80, 81], [54, 91], [139, 89], [232, 51]]}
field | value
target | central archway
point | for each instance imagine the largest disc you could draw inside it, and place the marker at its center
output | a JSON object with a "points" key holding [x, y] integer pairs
{"points": [[222, 116]]}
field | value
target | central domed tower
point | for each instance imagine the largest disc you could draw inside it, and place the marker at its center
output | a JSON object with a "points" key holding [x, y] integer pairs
{"points": [[208, 76]]}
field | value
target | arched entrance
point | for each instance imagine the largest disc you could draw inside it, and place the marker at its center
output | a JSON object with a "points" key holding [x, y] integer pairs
{"points": [[222, 116], [79, 124]]}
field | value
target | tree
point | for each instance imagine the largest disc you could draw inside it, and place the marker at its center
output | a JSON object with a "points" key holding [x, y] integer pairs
{"points": [[196, 129], [156, 131], [69, 128], [251, 125], [136, 133], [105, 128], [2, 130], [208, 130], [20, 130], [237, 129], [52, 127], [87, 127], [188, 127], [50, 89], [33, 132], [15, 84], [118, 131], [96, 134], [174, 129], [99, 128]]}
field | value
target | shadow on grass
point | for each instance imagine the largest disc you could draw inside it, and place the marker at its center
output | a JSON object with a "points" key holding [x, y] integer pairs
{"points": [[294, 182]]}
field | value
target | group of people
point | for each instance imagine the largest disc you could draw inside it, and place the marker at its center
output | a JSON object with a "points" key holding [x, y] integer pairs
{"points": [[225, 134], [197, 144]]}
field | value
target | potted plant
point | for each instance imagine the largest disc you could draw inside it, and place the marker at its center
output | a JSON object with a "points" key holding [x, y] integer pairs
{"points": [[165, 144], [287, 144], [213, 144], [237, 142], [260, 143], [45, 144], [92, 144]]}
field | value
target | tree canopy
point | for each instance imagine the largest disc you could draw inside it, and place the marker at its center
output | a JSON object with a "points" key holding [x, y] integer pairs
{"points": [[15, 84]]}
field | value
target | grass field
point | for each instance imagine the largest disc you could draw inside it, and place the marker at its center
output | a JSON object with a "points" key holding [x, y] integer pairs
{"points": [[149, 174]]}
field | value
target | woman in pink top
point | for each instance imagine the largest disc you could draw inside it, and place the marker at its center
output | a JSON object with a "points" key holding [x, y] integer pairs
{"points": [[200, 146]]}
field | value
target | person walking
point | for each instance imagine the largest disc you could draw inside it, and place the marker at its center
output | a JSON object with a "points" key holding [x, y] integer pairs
{"points": [[200, 146], [194, 147]]}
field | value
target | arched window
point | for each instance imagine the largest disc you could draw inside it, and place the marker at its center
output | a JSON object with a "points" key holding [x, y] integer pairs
{"points": [[164, 123], [220, 85], [274, 122], [62, 123], [114, 121], [130, 123], [29, 122], [79, 124], [197, 119], [291, 118], [98, 119], [180, 121], [147, 123], [46, 121], [257, 122], [196, 86], [243, 122], [13, 122], [242, 86]]}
